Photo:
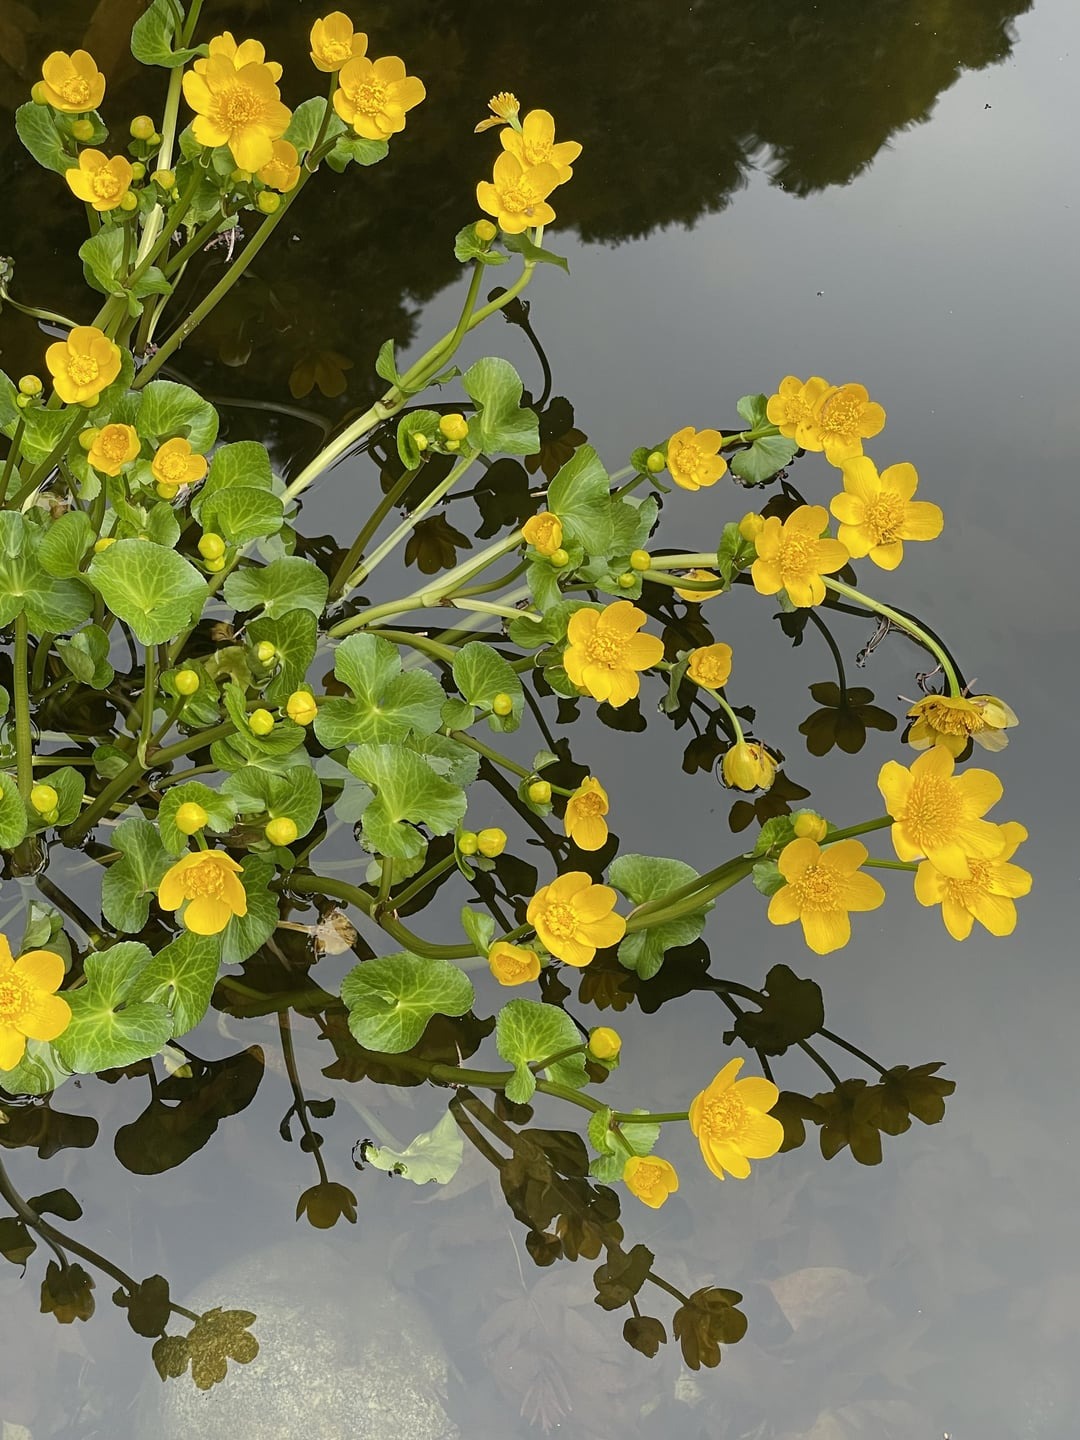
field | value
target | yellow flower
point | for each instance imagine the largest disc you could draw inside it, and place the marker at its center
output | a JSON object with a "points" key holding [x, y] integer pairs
{"points": [[808, 825], [988, 895], [604, 1042], [792, 556], [693, 457], [710, 665], [844, 416], [113, 447], [513, 964], [938, 816], [373, 96], [651, 1179], [822, 887], [573, 917], [210, 881], [534, 144], [333, 41], [517, 194], [99, 181], [748, 766], [83, 364], [584, 819], [282, 171], [792, 409], [491, 842], [731, 1122], [29, 1008], [248, 52], [751, 526], [301, 707], [175, 463], [695, 597], [543, 532], [72, 83], [605, 652], [504, 107], [877, 514], [953, 720], [239, 108]]}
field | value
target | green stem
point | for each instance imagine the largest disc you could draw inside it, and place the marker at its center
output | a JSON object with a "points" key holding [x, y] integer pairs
{"points": [[564, 1054], [146, 730], [891, 864], [353, 895], [9, 462], [324, 123], [41, 656], [421, 883], [379, 554], [370, 525], [463, 738], [902, 622], [747, 437], [683, 562], [24, 739], [467, 309], [656, 1117]]}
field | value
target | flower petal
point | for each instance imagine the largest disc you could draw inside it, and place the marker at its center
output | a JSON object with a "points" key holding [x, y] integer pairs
{"points": [[42, 969], [49, 1016], [826, 930], [761, 1137]]}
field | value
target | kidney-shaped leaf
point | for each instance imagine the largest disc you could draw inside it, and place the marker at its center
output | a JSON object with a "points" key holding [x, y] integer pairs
{"points": [[390, 1000]]}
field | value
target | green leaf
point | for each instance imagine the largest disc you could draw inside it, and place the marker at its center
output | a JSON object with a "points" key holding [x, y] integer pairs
{"points": [[527, 1031], [416, 422], [290, 583], [295, 794], [13, 817], [407, 793], [86, 655], [481, 673], [608, 1167], [52, 605], [70, 788], [167, 409], [358, 150], [153, 36], [37, 130], [752, 408], [644, 877], [306, 122], [479, 926], [295, 637], [579, 496], [501, 423], [767, 878], [151, 588], [218, 805], [435, 1155], [244, 934], [467, 247], [111, 1024], [388, 704], [448, 758], [39, 1072], [386, 365], [181, 977], [237, 499], [763, 459], [129, 882], [65, 542], [390, 1000], [632, 523], [524, 246]]}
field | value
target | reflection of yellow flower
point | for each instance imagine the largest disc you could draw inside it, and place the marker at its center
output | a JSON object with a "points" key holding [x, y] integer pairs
{"points": [[693, 457], [534, 144], [113, 447], [29, 1008], [175, 463], [695, 597], [606, 652], [953, 720], [822, 887], [584, 819], [210, 881], [710, 665], [792, 409], [517, 194], [239, 108], [513, 964], [573, 917], [791, 556], [374, 95], [877, 513], [99, 181], [731, 1122], [938, 815], [248, 52], [543, 532], [282, 170], [844, 416], [651, 1179], [987, 896], [748, 766], [83, 364], [334, 41], [322, 368], [72, 83]]}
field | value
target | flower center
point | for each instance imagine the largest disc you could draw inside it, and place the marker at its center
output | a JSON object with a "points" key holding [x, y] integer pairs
{"points": [[204, 879], [933, 812], [76, 91], [687, 458], [818, 888], [561, 920], [15, 999], [334, 51], [171, 466], [369, 99], [649, 1177], [589, 804], [954, 720], [513, 967], [240, 106], [885, 516], [604, 648], [711, 671], [83, 369], [966, 892], [840, 415], [519, 200], [105, 184], [723, 1116], [798, 553], [113, 442]]}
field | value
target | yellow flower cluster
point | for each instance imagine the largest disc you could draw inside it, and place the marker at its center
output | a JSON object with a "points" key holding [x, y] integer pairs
{"points": [[818, 416], [531, 166]]}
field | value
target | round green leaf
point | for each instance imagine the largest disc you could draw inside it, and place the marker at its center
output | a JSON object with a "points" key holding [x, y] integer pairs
{"points": [[390, 1000]]}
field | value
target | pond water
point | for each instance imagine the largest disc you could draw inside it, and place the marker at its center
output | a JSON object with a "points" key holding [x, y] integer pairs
{"points": [[874, 192]]}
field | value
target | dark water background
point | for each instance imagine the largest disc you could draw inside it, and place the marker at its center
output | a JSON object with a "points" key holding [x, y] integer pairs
{"points": [[880, 192]]}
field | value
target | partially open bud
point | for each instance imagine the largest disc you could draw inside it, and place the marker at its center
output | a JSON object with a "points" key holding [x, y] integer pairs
{"points": [[491, 842], [539, 792], [301, 708], [808, 826], [190, 818], [748, 766], [604, 1042], [265, 652]]}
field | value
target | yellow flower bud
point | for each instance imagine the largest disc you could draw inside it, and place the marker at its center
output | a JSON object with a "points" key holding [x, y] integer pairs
{"points": [[502, 704], [265, 652], [241, 177], [82, 129], [268, 201], [261, 722], [141, 128], [38, 93], [748, 766], [155, 139], [453, 427], [751, 526], [100, 546], [129, 202], [468, 842], [604, 1042], [44, 798], [165, 490], [281, 831], [627, 580], [485, 231], [640, 560], [420, 440], [655, 463], [88, 436], [491, 842], [539, 792], [165, 178], [214, 566], [190, 818], [453, 444], [211, 546], [809, 826], [186, 681], [301, 707], [30, 385], [138, 170], [559, 558], [22, 401]]}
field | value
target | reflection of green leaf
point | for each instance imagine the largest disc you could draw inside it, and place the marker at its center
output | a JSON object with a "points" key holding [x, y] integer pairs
{"points": [[147, 1306], [791, 1010], [109, 1025], [181, 976], [527, 1031], [708, 1320], [390, 1000], [290, 583], [129, 882], [621, 1276], [580, 497], [151, 588], [435, 1155], [501, 424], [646, 877], [407, 793], [387, 705], [481, 673], [185, 1111]]}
